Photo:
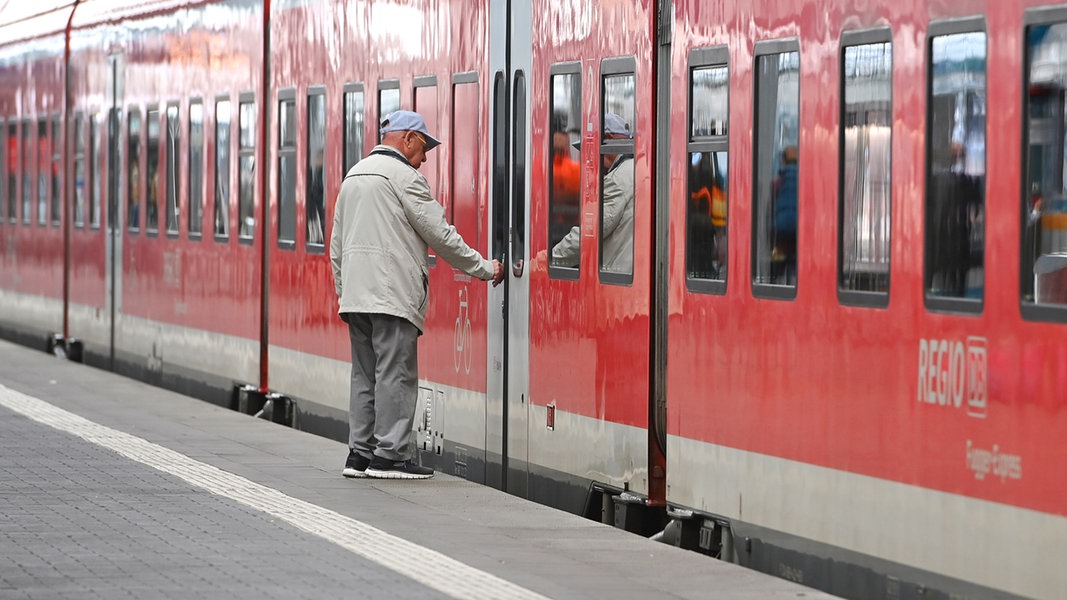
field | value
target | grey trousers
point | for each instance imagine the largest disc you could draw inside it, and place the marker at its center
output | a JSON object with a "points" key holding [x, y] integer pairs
{"points": [[385, 381]]}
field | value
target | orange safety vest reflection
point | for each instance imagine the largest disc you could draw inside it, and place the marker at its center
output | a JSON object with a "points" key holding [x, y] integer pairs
{"points": [[715, 200]]}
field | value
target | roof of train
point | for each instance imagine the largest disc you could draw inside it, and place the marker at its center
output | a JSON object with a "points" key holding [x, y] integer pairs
{"points": [[21, 20]]}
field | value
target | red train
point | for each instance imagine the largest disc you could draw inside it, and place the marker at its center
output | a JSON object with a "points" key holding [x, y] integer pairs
{"points": [[812, 316]]}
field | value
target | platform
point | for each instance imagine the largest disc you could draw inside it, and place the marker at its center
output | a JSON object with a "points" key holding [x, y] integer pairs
{"points": [[110, 488]]}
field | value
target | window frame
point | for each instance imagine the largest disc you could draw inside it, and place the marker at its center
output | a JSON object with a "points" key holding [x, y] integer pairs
{"points": [[610, 67], [1032, 310], [315, 91], [564, 68], [774, 291], [716, 56], [192, 188], [243, 152], [56, 179], [383, 86], [222, 238], [977, 24], [286, 151], [346, 151], [861, 298], [134, 110], [173, 166]]}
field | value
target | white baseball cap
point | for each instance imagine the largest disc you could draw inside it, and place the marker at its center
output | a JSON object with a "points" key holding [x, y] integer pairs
{"points": [[406, 120]]}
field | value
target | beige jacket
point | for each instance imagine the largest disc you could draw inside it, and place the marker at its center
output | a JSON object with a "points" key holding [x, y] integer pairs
{"points": [[383, 224]]}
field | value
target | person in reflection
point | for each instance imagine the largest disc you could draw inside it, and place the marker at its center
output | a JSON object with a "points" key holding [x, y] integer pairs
{"points": [[784, 250], [384, 222], [953, 211], [617, 210], [315, 206], [566, 179]]}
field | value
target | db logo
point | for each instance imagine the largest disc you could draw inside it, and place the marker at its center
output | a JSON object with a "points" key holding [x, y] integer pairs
{"points": [[952, 372]]}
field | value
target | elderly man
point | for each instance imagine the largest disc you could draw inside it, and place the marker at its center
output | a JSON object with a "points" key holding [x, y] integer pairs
{"points": [[384, 222]]}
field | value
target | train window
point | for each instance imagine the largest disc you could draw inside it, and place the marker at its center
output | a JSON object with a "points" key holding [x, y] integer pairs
{"points": [[3, 171], [617, 128], [57, 158], [174, 125], [866, 140], [776, 169], [286, 168], [133, 173], [80, 173], [955, 167], [13, 154], [195, 190], [222, 170], [44, 166], [246, 171], [518, 174], [1043, 276], [564, 171], [315, 199], [353, 117], [464, 152], [151, 211], [707, 191], [388, 100], [27, 171], [95, 178]]}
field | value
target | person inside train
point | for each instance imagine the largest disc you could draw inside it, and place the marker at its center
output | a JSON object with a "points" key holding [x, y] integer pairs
{"points": [[784, 251], [385, 220], [566, 181], [617, 210]]}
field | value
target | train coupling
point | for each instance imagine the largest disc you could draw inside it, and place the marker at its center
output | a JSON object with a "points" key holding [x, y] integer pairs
{"points": [[271, 406], [700, 533], [65, 348]]}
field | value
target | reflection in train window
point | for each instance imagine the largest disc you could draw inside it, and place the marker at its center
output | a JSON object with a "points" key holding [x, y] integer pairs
{"points": [[3, 171], [955, 189], [776, 170], [222, 170], [196, 169], [12, 154], [44, 166], [286, 169], [133, 172], [315, 199], [707, 191], [866, 143], [388, 101], [617, 130], [96, 172], [57, 166], [151, 222], [174, 125], [27, 171], [246, 163], [80, 173], [1044, 205], [518, 171], [353, 117], [564, 171]]}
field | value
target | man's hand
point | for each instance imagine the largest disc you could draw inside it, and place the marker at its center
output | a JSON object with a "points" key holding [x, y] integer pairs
{"points": [[498, 272]]}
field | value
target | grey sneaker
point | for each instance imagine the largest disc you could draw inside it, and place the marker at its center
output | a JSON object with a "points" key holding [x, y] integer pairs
{"points": [[382, 468], [355, 466]]}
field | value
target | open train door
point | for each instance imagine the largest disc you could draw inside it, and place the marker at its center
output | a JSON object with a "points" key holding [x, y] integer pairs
{"points": [[507, 438]]}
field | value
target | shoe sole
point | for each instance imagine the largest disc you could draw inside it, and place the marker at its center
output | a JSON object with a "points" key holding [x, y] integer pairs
{"points": [[376, 474], [353, 474]]}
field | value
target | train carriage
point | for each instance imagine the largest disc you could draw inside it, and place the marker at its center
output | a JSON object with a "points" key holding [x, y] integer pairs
{"points": [[787, 282], [32, 75]]}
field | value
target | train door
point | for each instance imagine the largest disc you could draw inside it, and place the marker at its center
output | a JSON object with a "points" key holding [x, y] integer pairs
{"points": [[111, 178], [508, 387]]}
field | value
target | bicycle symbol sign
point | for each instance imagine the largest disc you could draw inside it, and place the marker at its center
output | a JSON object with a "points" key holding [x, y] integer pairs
{"points": [[463, 354]]}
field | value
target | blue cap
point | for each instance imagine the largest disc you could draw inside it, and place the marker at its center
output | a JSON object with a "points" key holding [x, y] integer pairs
{"points": [[613, 123], [406, 120]]}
